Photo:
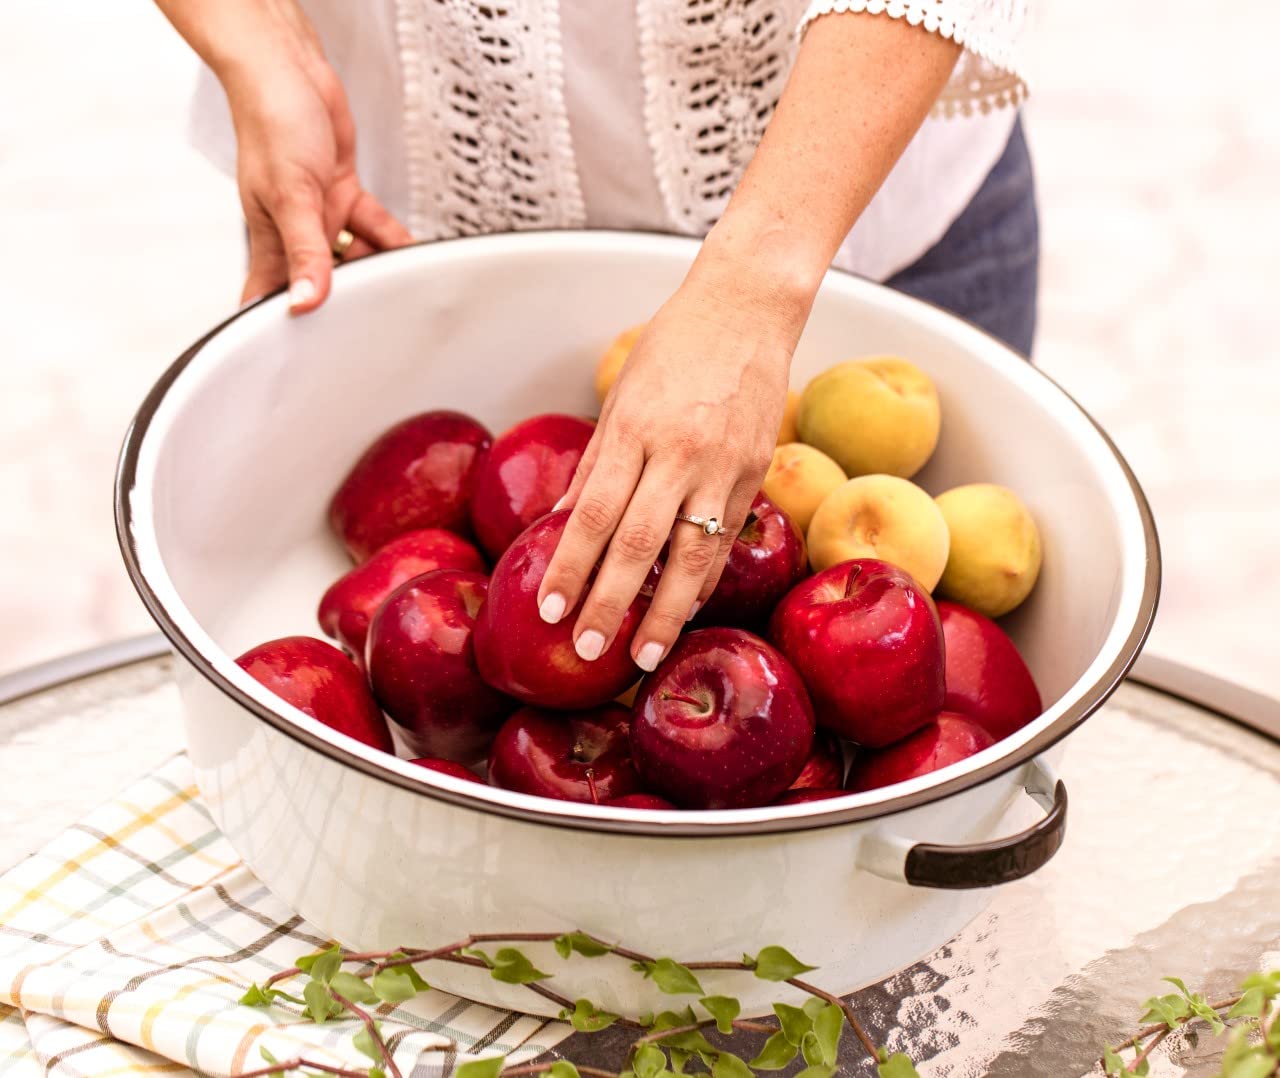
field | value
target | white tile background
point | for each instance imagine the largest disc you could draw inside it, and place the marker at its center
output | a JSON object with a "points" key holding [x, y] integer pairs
{"points": [[1158, 154]]}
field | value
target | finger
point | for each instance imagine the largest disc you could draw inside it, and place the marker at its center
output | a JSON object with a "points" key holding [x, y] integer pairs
{"points": [[595, 516], [737, 509], [370, 219], [300, 219], [585, 463], [268, 269], [358, 248], [634, 548], [684, 574]]}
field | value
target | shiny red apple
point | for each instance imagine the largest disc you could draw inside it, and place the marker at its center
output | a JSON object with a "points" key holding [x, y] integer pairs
{"points": [[522, 477], [946, 740], [810, 793], [315, 677], [867, 641], [520, 654], [987, 679], [448, 767], [825, 767], [423, 671], [578, 756], [640, 801], [766, 560], [723, 722], [351, 601], [418, 474]]}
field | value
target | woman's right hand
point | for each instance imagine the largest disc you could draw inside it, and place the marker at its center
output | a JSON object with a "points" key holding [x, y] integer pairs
{"points": [[296, 164]]}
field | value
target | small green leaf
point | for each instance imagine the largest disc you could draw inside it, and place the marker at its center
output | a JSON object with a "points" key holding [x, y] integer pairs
{"points": [[324, 965], [510, 966], [795, 1022], [398, 983], [489, 1067], [258, 997], [896, 1066], [1201, 1009], [724, 1009], [265, 1052], [587, 1018], [1171, 1010], [562, 1068], [813, 1005], [827, 1027], [691, 1040], [307, 962], [669, 976], [817, 1070], [671, 1019], [679, 1060], [1178, 984], [777, 1052], [1250, 1005], [377, 1072], [811, 1049], [365, 1043], [1269, 982], [352, 987], [727, 1065], [650, 1061], [778, 964], [1112, 1064], [320, 1004], [580, 942]]}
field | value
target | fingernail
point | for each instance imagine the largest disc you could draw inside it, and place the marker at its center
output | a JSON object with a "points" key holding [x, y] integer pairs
{"points": [[301, 292], [552, 608], [693, 610], [559, 504], [650, 655], [589, 645]]}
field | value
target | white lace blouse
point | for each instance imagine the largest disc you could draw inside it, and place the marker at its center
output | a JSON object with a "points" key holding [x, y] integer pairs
{"points": [[475, 116]]}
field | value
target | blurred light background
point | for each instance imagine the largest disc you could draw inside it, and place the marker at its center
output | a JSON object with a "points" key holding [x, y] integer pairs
{"points": [[1157, 143]]}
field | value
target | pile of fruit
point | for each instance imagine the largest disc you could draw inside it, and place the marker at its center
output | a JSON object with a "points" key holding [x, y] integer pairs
{"points": [[821, 666]]}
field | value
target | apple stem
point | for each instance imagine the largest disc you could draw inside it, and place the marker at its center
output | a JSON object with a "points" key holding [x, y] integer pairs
{"points": [[591, 785], [684, 699], [854, 573]]}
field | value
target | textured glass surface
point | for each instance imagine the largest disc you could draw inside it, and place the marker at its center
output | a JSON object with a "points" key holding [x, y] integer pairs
{"points": [[1171, 866]]}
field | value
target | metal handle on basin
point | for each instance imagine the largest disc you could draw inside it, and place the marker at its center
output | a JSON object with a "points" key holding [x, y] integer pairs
{"points": [[983, 864]]}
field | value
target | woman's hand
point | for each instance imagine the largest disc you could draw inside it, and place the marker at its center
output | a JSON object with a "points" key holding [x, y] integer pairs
{"points": [[296, 144], [689, 427]]}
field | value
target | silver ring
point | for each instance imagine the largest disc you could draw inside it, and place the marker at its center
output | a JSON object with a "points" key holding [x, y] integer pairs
{"points": [[709, 525]]}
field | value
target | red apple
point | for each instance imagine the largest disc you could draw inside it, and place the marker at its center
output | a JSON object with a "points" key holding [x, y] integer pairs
{"points": [[448, 767], [352, 600], [640, 801], [580, 756], [867, 641], [766, 560], [423, 670], [526, 472], [520, 654], [318, 679], [825, 767], [946, 740], [724, 722], [810, 793], [418, 474], [986, 677]]}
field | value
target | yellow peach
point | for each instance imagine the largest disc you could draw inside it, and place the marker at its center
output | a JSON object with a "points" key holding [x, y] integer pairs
{"points": [[878, 415], [610, 364], [787, 432], [885, 517], [798, 480], [995, 548]]}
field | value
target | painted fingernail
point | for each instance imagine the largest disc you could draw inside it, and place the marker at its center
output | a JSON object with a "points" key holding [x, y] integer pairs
{"points": [[552, 608], [693, 610], [301, 292], [589, 645], [650, 655], [559, 504]]}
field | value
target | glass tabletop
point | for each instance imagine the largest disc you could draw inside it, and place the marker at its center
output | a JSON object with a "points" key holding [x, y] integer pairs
{"points": [[1171, 865]]}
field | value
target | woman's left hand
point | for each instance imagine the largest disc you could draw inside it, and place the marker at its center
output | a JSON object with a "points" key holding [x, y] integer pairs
{"points": [[689, 426]]}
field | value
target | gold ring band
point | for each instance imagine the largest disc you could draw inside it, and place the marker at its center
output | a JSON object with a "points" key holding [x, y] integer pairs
{"points": [[342, 244], [709, 525]]}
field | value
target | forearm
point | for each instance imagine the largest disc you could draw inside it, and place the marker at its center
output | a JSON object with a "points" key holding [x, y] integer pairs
{"points": [[238, 37], [860, 89]]}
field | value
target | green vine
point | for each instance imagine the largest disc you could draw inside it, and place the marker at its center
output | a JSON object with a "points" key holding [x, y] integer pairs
{"points": [[670, 1043]]}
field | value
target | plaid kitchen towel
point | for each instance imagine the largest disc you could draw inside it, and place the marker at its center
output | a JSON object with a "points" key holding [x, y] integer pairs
{"points": [[126, 943]]}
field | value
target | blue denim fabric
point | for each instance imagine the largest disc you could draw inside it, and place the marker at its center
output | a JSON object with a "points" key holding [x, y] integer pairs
{"points": [[985, 268]]}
